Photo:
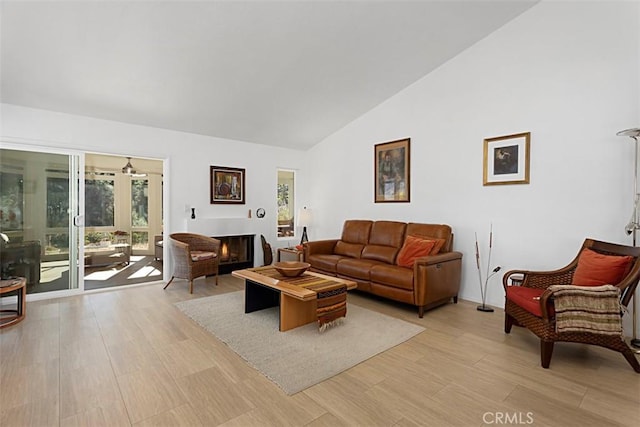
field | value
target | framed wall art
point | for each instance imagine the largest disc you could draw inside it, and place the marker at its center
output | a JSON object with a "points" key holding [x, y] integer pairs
{"points": [[392, 171], [506, 159], [227, 185]]}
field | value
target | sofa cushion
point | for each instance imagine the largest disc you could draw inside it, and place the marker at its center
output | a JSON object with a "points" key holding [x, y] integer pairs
{"points": [[380, 253], [414, 248], [352, 250], [324, 262], [387, 233], [356, 231], [356, 268], [392, 275], [595, 269], [438, 231]]}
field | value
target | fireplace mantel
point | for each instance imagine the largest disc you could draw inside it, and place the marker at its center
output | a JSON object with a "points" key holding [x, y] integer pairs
{"points": [[223, 226]]}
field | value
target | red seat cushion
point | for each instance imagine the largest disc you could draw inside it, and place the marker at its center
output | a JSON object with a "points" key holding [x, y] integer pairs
{"points": [[596, 269], [529, 299]]}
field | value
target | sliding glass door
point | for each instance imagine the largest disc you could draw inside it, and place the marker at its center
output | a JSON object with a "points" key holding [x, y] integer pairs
{"points": [[39, 203]]}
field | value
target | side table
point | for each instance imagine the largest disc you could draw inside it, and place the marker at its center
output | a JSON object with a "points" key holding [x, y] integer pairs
{"points": [[290, 252], [17, 285]]}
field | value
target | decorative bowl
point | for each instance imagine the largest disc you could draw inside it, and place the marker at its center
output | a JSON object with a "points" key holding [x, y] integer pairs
{"points": [[291, 268]]}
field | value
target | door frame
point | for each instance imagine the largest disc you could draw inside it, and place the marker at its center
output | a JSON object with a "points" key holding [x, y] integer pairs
{"points": [[24, 144]]}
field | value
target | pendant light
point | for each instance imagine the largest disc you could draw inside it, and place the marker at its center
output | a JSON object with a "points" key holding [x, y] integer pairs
{"points": [[128, 169]]}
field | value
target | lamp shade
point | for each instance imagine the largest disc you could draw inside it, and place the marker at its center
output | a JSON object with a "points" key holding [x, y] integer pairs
{"points": [[629, 132], [305, 217]]}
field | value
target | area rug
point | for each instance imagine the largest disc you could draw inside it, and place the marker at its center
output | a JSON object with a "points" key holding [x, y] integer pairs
{"points": [[301, 357]]}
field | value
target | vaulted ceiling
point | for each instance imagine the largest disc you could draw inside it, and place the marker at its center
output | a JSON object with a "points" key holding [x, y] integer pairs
{"points": [[282, 73]]}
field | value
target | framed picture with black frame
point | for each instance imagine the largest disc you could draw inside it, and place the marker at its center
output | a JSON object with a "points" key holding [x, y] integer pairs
{"points": [[227, 185]]}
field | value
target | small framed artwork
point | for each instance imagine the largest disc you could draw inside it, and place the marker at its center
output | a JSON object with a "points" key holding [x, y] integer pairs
{"points": [[506, 159], [392, 171], [227, 185]]}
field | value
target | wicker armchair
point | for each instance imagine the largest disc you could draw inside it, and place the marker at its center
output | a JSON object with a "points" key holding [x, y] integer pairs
{"points": [[538, 314], [194, 256]]}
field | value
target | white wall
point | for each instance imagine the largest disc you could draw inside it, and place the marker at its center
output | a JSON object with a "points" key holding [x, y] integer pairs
{"points": [[188, 157], [566, 72]]}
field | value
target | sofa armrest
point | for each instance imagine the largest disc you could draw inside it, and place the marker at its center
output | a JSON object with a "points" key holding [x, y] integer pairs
{"points": [[436, 279], [319, 247], [441, 257]]}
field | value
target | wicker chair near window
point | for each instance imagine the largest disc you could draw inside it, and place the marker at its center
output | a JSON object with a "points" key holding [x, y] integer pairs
{"points": [[531, 304], [193, 256]]}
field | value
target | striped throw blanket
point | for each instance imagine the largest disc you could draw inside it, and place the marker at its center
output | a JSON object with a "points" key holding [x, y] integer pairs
{"points": [[332, 306], [593, 309], [332, 295]]}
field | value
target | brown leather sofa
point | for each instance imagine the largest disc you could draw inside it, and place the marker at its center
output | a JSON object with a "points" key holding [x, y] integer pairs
{"points": [[367, 251]]}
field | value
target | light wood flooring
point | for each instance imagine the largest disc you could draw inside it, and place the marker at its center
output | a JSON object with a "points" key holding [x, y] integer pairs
{"points": [[129, 357]]}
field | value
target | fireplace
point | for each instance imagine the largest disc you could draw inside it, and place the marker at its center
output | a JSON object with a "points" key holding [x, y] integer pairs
{"points": [[236, 252]]}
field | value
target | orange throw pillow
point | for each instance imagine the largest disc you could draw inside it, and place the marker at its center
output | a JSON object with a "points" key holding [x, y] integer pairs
{"points": [[412, 249], [436, 248], [595, 269]]}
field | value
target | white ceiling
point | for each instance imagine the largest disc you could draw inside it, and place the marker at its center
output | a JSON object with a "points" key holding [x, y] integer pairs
{"points": [[282, 73]]}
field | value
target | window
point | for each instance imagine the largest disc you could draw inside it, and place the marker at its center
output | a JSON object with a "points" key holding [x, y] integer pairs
{"points": [[139, 202], [140, 213], [99, 201], [57, 236], [286, 203], [57, 202], [11, 201]]}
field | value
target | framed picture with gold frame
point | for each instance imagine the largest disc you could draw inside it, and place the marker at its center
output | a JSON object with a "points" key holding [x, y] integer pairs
{"points": [[392, 171], [506, 159], [227, 185]]}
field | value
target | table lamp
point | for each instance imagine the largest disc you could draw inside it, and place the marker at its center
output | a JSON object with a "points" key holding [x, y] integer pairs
{"points": [[305, 218]]}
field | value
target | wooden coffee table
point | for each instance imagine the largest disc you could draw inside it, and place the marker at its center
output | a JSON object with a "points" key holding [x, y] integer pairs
{"points": [[265, 287]]}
